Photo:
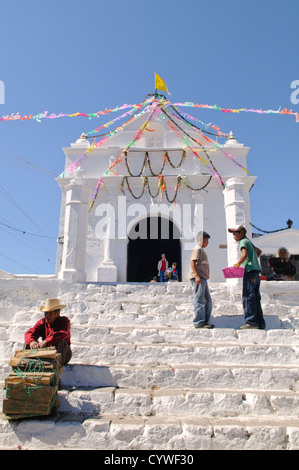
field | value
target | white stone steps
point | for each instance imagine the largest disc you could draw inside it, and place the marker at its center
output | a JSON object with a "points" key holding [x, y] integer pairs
{"points": [[151, 433], [178, 402], [284, 378], [142, 377], [122, 329], [180, 354], [170, 335]]}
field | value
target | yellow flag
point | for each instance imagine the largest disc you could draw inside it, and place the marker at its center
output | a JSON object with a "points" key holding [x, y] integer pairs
{"points": [[160, 84]]}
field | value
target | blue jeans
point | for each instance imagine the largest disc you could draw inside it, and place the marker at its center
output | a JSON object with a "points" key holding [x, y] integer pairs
{"points": [[202, 302], [252, 299]]}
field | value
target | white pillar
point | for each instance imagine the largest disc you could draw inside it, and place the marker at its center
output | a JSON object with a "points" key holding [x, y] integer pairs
{"points": [[237, 211], [107, 272], [75, 230]]}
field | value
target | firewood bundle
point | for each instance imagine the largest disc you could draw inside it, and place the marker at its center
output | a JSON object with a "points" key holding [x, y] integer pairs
{"points": [[32, 384]]}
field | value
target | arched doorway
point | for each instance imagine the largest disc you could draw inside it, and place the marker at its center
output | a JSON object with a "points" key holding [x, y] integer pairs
{"points": [[148, 239]]}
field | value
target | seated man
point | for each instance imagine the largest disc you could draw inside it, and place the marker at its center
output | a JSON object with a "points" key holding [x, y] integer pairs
{"points": [[172, 273], [281, 265], [53, 329]]}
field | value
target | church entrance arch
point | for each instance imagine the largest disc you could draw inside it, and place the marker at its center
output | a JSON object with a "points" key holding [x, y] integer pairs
{"points": [[148, 239]]}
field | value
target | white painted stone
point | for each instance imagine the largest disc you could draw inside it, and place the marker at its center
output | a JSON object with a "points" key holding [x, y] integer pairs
{"points": [[103, 256], [147, 379]]}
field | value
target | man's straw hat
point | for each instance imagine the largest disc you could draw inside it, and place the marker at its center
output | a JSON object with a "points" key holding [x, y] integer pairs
{"points": [[52, 304]]}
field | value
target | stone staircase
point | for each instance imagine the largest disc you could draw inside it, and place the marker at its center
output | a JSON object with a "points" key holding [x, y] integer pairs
{"points": [[143, 378]]}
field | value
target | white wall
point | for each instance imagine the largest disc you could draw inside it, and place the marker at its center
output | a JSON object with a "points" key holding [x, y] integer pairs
{"points": [[193, 170]]}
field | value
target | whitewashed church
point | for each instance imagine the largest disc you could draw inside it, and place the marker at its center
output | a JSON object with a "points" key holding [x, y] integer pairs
{"points": [[147, 190]]}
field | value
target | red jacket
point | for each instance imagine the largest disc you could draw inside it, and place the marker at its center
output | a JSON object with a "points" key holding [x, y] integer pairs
{"points": [[60, 329]]}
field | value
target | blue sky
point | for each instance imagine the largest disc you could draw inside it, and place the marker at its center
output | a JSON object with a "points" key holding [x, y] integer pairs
{"points": [[71, 56]]}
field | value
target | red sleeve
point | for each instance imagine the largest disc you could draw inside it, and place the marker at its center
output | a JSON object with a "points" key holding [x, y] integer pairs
{"points": [[34, 333]]}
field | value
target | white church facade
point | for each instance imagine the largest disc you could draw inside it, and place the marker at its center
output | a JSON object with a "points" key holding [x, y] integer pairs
{"points": [[147, 190]]}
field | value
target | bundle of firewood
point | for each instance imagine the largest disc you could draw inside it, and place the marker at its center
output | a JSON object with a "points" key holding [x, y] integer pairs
{"points": [[32, 384]]}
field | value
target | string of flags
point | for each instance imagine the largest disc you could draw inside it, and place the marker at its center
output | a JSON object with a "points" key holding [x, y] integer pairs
{"points": [[159, 85], [46, 115], [158, 103], [155, 103]]}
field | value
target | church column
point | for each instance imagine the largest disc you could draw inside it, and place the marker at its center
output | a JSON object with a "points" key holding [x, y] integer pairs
{"points": [[237, 212], [75, 230], [107, 272]]}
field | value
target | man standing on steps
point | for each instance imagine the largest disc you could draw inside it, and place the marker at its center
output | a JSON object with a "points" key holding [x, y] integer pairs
{"points": [[253, 312], [200, 273]]}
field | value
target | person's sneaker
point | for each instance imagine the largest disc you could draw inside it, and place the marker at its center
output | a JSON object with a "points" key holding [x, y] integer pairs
{"points": [[204, 325], [247, 326]]}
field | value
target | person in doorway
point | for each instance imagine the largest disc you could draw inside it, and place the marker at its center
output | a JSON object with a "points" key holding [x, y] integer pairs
{"points": [[172, 273], [253, 312], [53, 329], [199, 275], [162, 267], [283, 269]]}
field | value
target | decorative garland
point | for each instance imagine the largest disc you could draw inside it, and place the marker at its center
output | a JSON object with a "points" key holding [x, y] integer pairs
{"points": [[95, 193], [212, 168], [198, 189], [245, 110], [157, 106], [161, 187], [184, 115], [45, 115], [154, 102], [134, 140], [146, 161], [93, 146], [157, 103], [215, 144]]}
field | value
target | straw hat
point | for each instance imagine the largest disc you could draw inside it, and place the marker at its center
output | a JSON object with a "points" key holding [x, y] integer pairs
{"points": [[52, 304]]}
